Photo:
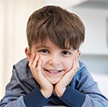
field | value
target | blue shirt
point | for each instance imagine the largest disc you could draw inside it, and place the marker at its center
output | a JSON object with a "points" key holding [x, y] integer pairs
{"points": [[24, 91]]}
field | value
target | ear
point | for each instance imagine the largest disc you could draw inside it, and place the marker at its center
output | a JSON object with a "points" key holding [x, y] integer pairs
{"points": [[28, 53], [78, 54]]}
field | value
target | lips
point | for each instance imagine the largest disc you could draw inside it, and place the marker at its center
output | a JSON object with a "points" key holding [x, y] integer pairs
{"points": [[53, 75], [53, 71]]}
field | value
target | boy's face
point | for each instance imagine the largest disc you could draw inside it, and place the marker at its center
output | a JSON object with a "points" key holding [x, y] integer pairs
{"points": [[55, 61]]}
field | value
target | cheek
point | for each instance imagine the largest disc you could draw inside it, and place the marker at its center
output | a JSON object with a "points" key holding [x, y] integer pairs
{"points": [[43, 59], [68, 65]]}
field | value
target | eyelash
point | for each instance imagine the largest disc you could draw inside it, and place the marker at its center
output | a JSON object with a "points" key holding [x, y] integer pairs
{"points": [[43, 51], [64, 52]]}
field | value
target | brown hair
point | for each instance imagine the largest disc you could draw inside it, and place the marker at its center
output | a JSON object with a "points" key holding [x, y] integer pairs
{"points": [[63, 28]]}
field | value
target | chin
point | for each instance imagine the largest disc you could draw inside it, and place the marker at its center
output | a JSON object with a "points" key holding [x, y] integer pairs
{"points": [[54, 80]]}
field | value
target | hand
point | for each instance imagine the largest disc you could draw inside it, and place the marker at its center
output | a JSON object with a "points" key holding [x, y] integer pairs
{"points": [[35, 65], [66, 79]]}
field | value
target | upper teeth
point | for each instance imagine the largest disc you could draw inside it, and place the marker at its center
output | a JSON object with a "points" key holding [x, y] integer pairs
{"points": [[52, 71]]}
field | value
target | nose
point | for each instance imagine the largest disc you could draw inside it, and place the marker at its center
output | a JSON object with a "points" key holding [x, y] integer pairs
{"points": [[54, 60]]}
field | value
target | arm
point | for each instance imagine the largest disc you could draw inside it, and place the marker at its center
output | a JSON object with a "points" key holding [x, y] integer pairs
{"points": [[35, 65], [83, 92], [94, 97], [13, 92], [18, 103], [22, 88], [66, 93]]}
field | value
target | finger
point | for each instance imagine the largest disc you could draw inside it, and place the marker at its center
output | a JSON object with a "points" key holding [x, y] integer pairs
{"points": [[35, 62], [39, 65], [31, 60], [34, 66], [75, 65]]}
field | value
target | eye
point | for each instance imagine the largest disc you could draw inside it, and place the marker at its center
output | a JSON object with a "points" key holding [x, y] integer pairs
{"points": [[45, 51], [66, 52]]}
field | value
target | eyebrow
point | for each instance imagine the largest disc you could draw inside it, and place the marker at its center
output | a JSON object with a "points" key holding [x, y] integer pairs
{"points": [[41, 46]]}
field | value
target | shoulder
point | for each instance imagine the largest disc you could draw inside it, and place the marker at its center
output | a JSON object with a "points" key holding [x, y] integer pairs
{"points": [[21, 76], [83, 71], [22, 63], [82, 68], [83, 77], [22, 69]]}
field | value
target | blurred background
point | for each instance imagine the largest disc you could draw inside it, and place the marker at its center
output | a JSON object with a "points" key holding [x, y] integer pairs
{"points": [[13, 18]]}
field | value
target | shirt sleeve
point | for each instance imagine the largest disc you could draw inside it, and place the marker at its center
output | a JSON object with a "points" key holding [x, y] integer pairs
{"points": [[35, 99], [94, 97], [72, 97], [18, 103], [85, 93]]}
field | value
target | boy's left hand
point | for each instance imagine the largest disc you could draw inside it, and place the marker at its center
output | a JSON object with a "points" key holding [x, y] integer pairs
{"points": [[66, 79]]}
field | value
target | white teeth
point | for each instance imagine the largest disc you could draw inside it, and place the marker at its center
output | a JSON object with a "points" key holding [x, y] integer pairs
{"points": [[53, 71]]}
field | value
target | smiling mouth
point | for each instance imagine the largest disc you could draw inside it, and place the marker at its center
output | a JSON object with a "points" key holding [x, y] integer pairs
{"points": [[53, 71]]}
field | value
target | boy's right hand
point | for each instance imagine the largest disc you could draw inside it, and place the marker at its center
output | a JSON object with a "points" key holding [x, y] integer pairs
{"points": [[46, 87]]}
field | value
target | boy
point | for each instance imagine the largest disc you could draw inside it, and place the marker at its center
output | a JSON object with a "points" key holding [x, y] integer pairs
{"points": [[51, 75]]}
